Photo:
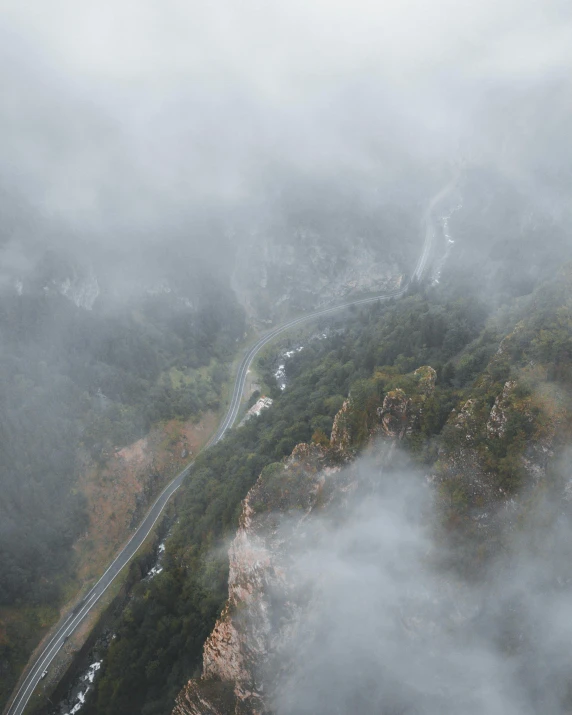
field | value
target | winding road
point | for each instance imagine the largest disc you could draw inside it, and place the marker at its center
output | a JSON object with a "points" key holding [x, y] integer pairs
{"points": [[69, 623]]}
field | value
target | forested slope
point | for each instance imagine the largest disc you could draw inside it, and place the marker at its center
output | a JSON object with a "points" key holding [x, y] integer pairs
{"points": [[367, 354], [74, 380], [159, 639]]}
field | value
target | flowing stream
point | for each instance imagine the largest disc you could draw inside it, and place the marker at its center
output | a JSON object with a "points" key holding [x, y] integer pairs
{"points": [[448, 243]]}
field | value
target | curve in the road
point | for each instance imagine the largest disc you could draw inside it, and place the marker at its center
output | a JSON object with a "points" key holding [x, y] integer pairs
{"points": [[72, 620]]}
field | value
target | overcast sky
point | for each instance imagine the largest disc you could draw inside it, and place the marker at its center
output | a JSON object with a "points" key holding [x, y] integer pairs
{"points": [[126, 111], [384, 631]]}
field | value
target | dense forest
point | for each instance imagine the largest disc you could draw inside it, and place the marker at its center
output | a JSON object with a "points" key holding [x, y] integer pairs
{"points": [[73, 379], [160, 635], [366, 353], [175, 184]]}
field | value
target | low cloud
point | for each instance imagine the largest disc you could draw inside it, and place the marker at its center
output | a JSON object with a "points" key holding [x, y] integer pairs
{"points": [[126, 113], [387, 631]]}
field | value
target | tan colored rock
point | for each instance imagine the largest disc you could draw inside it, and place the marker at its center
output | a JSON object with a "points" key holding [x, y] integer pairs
{"points": [[427, 377], [205, 698], [254, 619], [394, 415], [340, 438]]}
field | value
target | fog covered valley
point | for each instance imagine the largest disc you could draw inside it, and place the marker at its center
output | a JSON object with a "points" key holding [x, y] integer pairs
{"points": [[321, 253]]}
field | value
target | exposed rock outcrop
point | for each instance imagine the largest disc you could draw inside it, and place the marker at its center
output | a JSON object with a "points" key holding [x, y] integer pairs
{"points": [[260, 607], [263, 609], [426, 378], [466, 421], [202, 697], [496, 425], [277, 271], [395, 414], [340, 438]]}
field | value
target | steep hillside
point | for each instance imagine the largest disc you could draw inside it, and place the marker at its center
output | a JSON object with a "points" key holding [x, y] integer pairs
{"points": [[247, 647], [499, 448], [498, 474], [380, 357], [159, 638], [77, 383], [314, 242]]}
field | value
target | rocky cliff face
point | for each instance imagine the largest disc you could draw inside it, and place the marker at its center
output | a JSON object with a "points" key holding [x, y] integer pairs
{"points": [[275, 277], [260, 608], [502, 431], [240, 660], [497, 447], [395, 414], [309, 245]]}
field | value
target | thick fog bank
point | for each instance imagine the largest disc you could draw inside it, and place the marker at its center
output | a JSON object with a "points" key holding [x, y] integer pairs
{"points": [[389, 631], [127, 126]]}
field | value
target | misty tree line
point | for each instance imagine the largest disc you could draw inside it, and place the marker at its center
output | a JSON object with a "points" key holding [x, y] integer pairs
{"points": [[160, 635], [71, 380]]}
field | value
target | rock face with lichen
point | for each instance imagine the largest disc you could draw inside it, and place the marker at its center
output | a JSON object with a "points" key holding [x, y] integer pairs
{"points": [[426, 378], [263, 608], [399, 414], [499, 432], [340, 438], [281, 269], [498, 445], [395, 414], [260, 607], [496, 424]]}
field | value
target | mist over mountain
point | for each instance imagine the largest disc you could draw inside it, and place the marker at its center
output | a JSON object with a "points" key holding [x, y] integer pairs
{"points": [[175, 181], [133, 128], [386, 629]]}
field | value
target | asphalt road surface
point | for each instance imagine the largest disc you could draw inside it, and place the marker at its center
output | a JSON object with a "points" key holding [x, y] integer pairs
{"points": [[69, 623]]}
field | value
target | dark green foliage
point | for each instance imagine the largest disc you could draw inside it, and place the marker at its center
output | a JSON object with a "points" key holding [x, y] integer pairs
{"points": [[71, 378], [160, 636], [68, 376], [536, 349]]}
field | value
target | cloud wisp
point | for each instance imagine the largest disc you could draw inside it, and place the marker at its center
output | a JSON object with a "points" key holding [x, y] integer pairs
{"points": [[387, 631]]}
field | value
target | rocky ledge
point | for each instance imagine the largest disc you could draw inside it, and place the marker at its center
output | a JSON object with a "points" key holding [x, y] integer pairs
{"points": [[241, 655]]}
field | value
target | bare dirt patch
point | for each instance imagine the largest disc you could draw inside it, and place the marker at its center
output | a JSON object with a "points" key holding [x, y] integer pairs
{"points": [[119, 493]]}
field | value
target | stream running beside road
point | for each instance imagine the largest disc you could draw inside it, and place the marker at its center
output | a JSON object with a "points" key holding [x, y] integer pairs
{"points": [[40, 665]]}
